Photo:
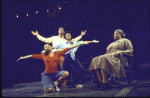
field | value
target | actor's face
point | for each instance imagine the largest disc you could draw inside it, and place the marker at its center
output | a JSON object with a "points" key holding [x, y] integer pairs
{"points": [[61, 31], [68, 36], [116, 35], [47, 47]]}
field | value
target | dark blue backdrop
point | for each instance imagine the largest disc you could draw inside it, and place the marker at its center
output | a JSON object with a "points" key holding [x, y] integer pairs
{"points": [[99, 17]]}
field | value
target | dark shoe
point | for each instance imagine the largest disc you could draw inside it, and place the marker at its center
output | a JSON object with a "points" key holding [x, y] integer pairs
{"points": [[105, 86], [98, 86], [95, 80]]}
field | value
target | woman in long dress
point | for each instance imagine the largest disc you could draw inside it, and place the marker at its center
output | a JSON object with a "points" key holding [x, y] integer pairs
{"points": [[109, 63]]}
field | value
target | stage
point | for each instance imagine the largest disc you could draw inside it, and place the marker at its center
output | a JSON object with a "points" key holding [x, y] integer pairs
{"points": [[35, 89]]}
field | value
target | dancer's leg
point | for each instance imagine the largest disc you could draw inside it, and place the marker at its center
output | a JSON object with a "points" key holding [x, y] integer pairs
{"points": [[63, 77], [104, 75], [59, 77], [79, 72], [66, 66], [47, 82], [98, 74]]}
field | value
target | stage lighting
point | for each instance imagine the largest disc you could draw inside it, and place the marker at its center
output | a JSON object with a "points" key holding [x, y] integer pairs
{"points": [[17, 16], [48, 10], [27, 14], [59, 8], [37, 12]]}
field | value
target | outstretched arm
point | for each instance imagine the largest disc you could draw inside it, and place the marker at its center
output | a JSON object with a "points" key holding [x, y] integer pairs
{"points": [[94, 41], [24, 57], [41, 38], [79, 37], [73, 46], [36, 56]]}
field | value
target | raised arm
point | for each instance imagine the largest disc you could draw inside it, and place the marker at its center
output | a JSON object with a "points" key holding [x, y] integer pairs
{"points": [[41, 38], [79, 37]]}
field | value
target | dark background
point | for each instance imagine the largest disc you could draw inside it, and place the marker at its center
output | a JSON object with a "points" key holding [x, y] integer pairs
{"points": [[99, 17]]}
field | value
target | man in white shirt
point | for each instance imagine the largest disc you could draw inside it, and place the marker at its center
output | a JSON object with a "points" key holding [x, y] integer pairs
{"points": [[55, 40]]}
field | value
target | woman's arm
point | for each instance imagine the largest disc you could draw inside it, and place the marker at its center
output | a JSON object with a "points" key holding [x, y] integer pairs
{"points": [[128, 48], [24, 57], [36, 56]]}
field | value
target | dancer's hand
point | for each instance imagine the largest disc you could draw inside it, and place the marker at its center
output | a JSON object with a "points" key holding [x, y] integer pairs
{"points": [[19, 58], [34, 33], [94, 41], [83, 33]]}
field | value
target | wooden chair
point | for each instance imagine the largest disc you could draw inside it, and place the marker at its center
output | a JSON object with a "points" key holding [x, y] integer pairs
{"points": [[128, 69]]}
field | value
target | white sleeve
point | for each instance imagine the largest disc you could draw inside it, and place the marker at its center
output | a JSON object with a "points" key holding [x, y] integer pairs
{"points": [[46, 40]]}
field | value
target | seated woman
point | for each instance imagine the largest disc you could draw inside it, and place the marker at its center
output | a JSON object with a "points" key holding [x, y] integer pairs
{"points": [[51, 59], [109, 63]]}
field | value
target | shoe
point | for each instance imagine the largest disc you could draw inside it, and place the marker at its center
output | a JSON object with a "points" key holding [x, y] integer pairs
{"points": [[79, 86], [56, 86], [95, 80], [105, 86], [98, 86]]}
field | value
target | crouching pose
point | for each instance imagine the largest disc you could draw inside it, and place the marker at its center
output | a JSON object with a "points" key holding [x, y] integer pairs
{"points": [[51, 59]]}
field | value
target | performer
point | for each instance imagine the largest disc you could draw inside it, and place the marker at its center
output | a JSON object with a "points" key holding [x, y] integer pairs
{"points": [[50, 59], [55, 40], [70, 58], [110, 62]]}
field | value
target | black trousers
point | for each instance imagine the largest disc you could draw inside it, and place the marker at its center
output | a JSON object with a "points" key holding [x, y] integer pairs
{"points": [[67, 64]]}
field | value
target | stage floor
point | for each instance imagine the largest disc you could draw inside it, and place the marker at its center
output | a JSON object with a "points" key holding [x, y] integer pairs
{"points": [[35, 89]]}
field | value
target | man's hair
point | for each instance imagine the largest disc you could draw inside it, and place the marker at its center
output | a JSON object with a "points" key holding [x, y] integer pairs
{"points": [[61, 27], [120, 32]]}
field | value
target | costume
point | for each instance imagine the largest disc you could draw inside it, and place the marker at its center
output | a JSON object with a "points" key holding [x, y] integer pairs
{"points": [[55, 40], [108, 62], [51, 63], [70, 59]]}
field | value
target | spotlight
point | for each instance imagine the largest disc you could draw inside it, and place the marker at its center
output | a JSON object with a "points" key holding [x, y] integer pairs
{"points": [[59, 8], [27, 14], [48, 10], [17, 16], [37, 12]]}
